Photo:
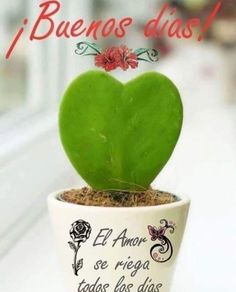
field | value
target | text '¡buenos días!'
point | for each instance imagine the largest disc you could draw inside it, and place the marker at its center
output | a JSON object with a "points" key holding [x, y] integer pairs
{"points": [[166, 23]]}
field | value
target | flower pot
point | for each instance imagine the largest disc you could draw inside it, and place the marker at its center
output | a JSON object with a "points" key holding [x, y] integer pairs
{"points": [[121, 249]]}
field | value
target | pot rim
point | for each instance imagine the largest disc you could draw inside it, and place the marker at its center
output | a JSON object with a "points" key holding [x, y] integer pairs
{"points": [[53, 199]]}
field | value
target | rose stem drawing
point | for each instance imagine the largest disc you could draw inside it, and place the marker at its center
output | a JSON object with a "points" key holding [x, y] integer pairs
{"points": [[79, 232]]}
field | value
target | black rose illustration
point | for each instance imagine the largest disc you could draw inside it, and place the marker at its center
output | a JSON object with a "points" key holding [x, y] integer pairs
{"points": [[79, 232]]}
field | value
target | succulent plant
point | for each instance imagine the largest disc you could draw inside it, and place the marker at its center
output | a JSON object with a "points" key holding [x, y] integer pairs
{"points": [[119, 136]]}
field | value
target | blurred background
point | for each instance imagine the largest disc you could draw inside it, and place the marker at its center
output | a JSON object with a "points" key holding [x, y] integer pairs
{"points": [[33, 164]]}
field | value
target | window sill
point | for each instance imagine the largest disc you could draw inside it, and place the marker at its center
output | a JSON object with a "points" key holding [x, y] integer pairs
{"points": [[32, 164], [21, 128], [32, 262]]}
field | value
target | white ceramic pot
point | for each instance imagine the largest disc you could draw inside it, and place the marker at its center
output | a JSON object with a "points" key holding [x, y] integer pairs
{"points": [[105, 249]]}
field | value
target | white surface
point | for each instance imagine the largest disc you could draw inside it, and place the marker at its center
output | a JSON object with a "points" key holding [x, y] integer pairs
{"points": [[203, 166]]}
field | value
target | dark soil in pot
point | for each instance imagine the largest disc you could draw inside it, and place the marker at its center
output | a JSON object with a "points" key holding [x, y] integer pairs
{"points": [[89, 197]]}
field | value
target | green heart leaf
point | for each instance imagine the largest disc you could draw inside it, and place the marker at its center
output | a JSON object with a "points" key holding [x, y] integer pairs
{"points": [[120, 136]]}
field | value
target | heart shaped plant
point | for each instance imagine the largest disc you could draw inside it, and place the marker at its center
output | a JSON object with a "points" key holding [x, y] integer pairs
{"points": [[119, 136]]}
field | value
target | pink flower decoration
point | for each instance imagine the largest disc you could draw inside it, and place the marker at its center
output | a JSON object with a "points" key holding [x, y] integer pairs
{"points": [[126, 58], [115, 57], [107, 59]]}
